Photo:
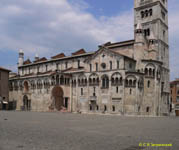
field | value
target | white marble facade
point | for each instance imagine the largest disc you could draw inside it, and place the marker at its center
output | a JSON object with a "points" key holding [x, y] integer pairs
{"points": [[129, 77]]}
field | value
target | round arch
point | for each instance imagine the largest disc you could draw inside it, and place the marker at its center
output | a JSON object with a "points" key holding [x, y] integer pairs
{"points": [[26, 86], [57, 97]]}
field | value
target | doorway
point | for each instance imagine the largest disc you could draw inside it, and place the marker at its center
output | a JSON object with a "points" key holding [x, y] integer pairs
{"points": [[26, 103], [66, 102], [57, 97]]}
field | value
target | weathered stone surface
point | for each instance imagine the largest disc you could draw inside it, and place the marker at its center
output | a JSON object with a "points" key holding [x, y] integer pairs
{"points": [[130, 77]]}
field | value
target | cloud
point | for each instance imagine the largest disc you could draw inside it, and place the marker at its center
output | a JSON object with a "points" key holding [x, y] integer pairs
{"points": [[50, 26]]}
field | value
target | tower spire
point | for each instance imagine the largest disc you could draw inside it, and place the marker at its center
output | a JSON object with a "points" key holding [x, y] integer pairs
{"points": [[21, 57]]}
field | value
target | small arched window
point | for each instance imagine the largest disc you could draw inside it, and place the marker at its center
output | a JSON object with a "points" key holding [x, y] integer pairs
{"points": [[112, 80], [148, 32], [82, 80], [142, 14], [91, 107], [90, 80], [85, 81], [97, 107], [147, 109], [81, 91], [134, 83], [93, 79], [105, 108], [110, 65], [150, 72], [148, 84], [146, 71], [113, 108], [57, 79], [105, 81], [120, 80], [130, 82], [127, 82], [116, 79], [150, 12], [117, 89], [146, 13], [26, 86], [153, 72], [61, 80], [130, 91]]}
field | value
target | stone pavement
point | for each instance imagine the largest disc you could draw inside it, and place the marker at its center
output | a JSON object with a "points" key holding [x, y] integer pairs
{"points": [[65, 131]]}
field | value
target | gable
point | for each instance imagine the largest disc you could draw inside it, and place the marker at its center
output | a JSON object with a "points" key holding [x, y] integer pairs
{"points": [[104, 60], [103, 54]]}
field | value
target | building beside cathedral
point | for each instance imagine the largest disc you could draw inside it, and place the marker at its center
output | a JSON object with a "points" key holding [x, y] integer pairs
{"points": [[127, 78], [174, 87], [4, 89]]}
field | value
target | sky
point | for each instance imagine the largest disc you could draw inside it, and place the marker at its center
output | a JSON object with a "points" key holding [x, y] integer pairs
{"points": [[49, 27]]}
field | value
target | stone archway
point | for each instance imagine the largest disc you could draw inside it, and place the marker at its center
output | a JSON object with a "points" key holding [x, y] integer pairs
{"points": [[57, 97], [26, 86]]}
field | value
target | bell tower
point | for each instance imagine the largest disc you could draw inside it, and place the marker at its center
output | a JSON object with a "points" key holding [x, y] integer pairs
{"points": [[153, 17]]}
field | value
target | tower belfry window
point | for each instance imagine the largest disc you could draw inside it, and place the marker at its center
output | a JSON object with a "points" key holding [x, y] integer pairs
{"points": [[146, 13], [147, 32], [150, 12], [142, 14]]}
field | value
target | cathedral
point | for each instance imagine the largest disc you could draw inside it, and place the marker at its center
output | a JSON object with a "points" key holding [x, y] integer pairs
{"points": [[126, 78]]}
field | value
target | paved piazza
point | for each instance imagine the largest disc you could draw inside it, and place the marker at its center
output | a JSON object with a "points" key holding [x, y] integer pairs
{"points": [[63, 131]]}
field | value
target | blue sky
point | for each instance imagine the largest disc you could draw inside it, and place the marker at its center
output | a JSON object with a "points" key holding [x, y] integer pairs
{"points": [[48, 27]]}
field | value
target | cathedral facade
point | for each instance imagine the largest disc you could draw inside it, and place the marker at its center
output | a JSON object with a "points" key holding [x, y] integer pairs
{"points": [[127, 78]]}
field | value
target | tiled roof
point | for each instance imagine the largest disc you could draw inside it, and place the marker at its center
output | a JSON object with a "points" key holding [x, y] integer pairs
{"points": [[81, 51], [61, 55], [4, 69], [40, 60], [174, 82], [118, 44], [27, 62]]}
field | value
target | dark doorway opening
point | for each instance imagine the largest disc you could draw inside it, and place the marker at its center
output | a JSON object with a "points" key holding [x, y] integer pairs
{"points": [[105, 108], [66, 102], [148, 109], [26, 103], [4, 106]]}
